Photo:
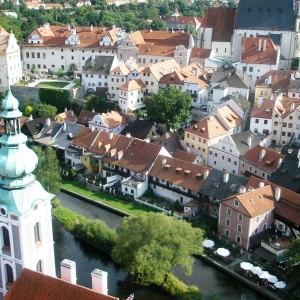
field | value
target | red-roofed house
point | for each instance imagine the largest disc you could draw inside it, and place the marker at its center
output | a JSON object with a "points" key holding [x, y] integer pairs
{"points": [[110, 122], [259, 55], [216, 30], [260, 161], [247, 214], [66, 116]]}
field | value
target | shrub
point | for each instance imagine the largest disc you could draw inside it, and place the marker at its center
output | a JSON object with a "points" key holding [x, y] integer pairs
{"points": [[55, 202]]}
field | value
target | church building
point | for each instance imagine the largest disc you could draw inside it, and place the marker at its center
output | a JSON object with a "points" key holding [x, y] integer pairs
{"points": [[26, 239]]}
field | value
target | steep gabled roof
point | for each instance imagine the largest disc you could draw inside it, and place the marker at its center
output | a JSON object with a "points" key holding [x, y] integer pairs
{"points": [[208, 128], [264, 110], [132, 85], [35, 285], [85, 116], [271, 15], [178, 172], [259, 51], [85, 138], [221, 19]]}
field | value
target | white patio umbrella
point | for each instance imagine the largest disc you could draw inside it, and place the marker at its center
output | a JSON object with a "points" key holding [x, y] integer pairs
{"points": [[257, 271], [246, 266], [280, 284], [208, 243], [223, 252], [264, 275], [272, 279]]}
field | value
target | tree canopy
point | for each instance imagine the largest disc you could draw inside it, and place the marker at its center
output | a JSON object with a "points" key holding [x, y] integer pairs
{"points": [[292, 255], [47, 171], [149, 246], [169, 106]]}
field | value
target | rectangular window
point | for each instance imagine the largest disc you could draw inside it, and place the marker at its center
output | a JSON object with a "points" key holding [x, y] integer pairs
{"points": [[27, 54], [228, 211], [227, 232], [38, 55], [265, 122], [241, 217], [227, 222], [256, 120], [238, 239], [236, 202], [37, 234], [239, 228]]}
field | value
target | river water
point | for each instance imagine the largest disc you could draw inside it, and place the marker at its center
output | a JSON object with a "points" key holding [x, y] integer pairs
{"points": [[208, 279]]}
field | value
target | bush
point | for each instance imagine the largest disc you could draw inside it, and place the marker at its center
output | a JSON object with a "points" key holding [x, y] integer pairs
{"points": [[93, 232], [55, 202]]}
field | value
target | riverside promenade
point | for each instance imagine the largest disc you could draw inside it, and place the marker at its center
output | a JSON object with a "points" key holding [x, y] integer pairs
{"points": [[216, 263]]}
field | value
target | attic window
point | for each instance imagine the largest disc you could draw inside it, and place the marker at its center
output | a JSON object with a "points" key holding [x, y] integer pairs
{"points": [[187, 172], [269, 162], [195, 126], [198, 175], [178, 170], [203, 129], [167, 167], [251, 200]]}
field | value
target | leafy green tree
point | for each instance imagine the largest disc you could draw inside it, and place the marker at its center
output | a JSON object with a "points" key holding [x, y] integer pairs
{"points": [[170, 106], [28, 110], [149, 246], [47, 171], [41, 110], [99, 104], [60, 73], [292, 255], [158, 24]]}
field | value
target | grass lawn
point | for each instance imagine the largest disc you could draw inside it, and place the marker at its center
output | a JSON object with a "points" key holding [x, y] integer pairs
{"points": [[135, 209], [52, 84]]}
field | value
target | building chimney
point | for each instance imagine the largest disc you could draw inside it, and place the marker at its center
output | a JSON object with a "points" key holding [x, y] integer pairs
{"points": [[242, 189], [265, 45], [249, 140], [65, 110], [261, 184], [68, 270], [262, 154], [48, 122], [30, 118], [92, 128], [110, 135], [277, 193], [128, 134], [279, 162], [99, 281], [225, 176], [292, 106], [259, 45], [206, 173], [64, 126], [92, 27]]}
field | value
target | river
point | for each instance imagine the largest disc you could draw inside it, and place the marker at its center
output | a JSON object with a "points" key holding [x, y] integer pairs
{"points": [[208, 279]]}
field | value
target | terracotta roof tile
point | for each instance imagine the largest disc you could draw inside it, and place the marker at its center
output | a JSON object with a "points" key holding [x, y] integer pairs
{"points": [[68, 116], [85, 138], [85, 116], [183, 155], [264, 111], [257, 202], [221, 19], [156, 50], [259, 50], [208, 128], [113, 119], [102, 144], [179, 172], [182, 20], [268, 162], [138, 157], [55, 36], [200, 53], [35, 285], [132, 85]]}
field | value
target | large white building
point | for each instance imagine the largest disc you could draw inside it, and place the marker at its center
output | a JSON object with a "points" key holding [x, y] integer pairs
{"points": [[10, 60], [66, 47], [25, 209]]}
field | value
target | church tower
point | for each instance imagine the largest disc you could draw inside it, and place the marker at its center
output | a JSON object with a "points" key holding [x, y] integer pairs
{"points": [[26, 239], [297, 30]]}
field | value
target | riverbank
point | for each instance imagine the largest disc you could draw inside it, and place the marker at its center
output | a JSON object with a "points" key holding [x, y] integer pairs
{"points": [[224, 268]]}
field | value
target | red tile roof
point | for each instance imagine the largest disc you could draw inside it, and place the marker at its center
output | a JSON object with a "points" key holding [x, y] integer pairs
{"points": [[85, 116], [208, 128], [55, 36], [264, 111], [269, 162], [259, 50], [183, 155], [31, 285], [68, 116], [85, 138], [200, 53], [114, 119], [132, 85], [178, 172], [222, 20]]}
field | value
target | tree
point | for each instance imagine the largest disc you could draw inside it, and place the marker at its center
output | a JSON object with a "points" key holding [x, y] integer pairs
{"points": [[41, 110], [60, 73], [292, 255], [99, 104], [169, 106], [47, 171], [149, 246]]}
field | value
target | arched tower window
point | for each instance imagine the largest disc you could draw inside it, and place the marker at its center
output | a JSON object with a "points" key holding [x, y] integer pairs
{"points": [[39, 266], [5, 239], [37, 232], [9, 274]]}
